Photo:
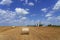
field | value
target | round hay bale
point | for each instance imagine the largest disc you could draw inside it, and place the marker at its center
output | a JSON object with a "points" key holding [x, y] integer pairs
{"points": [[25, 30], [13, 26]]}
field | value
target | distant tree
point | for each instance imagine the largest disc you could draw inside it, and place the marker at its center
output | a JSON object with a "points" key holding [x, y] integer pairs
{"points": [[56, 25], [49, 24], [40, 24]]}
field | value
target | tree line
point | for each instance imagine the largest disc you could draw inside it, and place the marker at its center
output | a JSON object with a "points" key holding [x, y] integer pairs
{"points": [[40, 25]]}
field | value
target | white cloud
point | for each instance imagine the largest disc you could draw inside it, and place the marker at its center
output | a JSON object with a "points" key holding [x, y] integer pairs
{"points": [[54, 9], [58, 17], [44, 9], [48, 15], [31, 4], [27, 9], [23, 18], [32, 22], [8, 18], [6, 14], [36, 0], [51, 13], [26, 1], [57, 5], [6, 2], [53, 18], [49, 18], [21, 11]]}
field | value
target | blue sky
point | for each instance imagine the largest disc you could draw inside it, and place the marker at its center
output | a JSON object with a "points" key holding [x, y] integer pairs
{"points": [[29, 12]]}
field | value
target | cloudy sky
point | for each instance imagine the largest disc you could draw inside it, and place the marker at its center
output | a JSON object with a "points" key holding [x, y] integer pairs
{"points": [[29, 12]]}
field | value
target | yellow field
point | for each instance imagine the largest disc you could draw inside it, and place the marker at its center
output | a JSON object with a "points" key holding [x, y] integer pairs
{"points": [[35, 33]]}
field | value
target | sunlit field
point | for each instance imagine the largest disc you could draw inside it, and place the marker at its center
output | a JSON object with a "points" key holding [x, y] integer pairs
{"points": [[34, 33]]}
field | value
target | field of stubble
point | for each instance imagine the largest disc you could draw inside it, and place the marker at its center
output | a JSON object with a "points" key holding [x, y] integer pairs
{"points": [[35, 33]]}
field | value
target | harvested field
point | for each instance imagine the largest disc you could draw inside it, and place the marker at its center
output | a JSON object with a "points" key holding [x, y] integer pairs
{"points": [[35, 33]]}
